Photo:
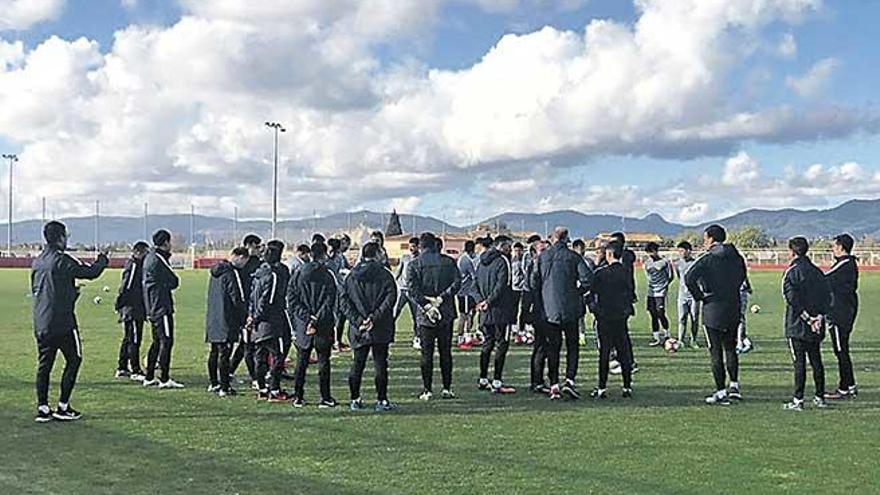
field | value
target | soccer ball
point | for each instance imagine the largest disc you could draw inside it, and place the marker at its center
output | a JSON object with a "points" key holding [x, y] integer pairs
{"points": [[106, 288], [756, 309], [97, 300], [671, 345]]}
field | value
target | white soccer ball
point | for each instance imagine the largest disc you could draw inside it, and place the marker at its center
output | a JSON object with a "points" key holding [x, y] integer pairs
{"points": [[756, 309], [97, 300], [671, 345], [106, 288]]}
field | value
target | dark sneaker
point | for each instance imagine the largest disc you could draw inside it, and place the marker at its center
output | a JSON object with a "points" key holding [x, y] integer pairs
{"points": [[298, 402], [540, 389], [328, 403], [262, 395], [385, 406], [279, 396], [627, 393], [43, 417], [599, 393], [655, 343], [794, 405], [853, 391], [570, 391], [227, 393], [733, 394], [69, 414], [357, 405], [635, 368], [838, 395], [819, 403], [483, 385], [122, 374], [447, 394]]}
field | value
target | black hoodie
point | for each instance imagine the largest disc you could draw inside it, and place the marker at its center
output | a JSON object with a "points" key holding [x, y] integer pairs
{"points": [[807, 294], [159, 281], [715, 279], [267, 301], [494, 287], [844, 280], [130, 299], [433, 274], [227, 305], [311, 298], [369, 292]]}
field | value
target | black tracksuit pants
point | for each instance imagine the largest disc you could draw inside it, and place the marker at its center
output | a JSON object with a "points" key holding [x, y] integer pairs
{"points": [[840, 342], [800, 351], [380, 363], [266, 350], [657, 310], [130, 348], [525, 308], [244, 351], [572, 348], [611, 335], [323, 348], [442, 336], [47, 349], [160, 349], [218, 364], [722, 350], [538, 360], [497, 338]]}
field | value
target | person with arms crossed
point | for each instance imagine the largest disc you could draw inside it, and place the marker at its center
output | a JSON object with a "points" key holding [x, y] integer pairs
{"points": [[132, 314], [844, 279], [160, 282]]}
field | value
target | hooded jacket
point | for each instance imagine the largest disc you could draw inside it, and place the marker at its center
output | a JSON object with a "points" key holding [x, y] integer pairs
{"points": [[844, 280], [54, 291], [807, 294], [467, 270], [159, 281], [227, 305], [369, 292], [494, 287], [130, 298], [267, 302], [311, 299], [610, 292], [247, 272], [432, 274], [715, 279], [561, 277]]}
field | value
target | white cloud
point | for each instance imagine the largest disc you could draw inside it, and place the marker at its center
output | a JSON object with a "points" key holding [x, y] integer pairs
{"points": [[17, 15], [787, 47], [174, 114], [815, 80], [740, 169]]}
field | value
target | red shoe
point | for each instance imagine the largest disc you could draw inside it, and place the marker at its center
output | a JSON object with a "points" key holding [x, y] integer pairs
{"points": [[503, 389], [464, 346], [279, 396]]}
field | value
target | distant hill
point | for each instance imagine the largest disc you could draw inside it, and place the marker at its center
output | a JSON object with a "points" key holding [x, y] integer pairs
{"points": [[859, 217]]}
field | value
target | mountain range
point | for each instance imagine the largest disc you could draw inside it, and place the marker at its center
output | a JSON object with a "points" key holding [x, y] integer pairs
{"points": [[858, 217]]}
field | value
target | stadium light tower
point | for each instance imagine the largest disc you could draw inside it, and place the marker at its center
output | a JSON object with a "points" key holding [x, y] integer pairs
{"points": [[276, 127], [12, 158]]}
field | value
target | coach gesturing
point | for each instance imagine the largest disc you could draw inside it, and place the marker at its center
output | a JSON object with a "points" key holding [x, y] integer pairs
{"points": [[714, 280], [561, 278]]}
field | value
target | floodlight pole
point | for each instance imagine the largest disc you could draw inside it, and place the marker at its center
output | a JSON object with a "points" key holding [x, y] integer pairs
{"points": [[276, 127], [12, 158]]}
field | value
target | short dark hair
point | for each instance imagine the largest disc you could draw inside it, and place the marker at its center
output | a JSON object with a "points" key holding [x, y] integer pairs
{"points": [[845, 241], [486, 242], [518, 245], [502, 239], [334, 243], [579, 243], [274, 250], [652, 247], [799, 245], [161, 237], [469, 246], [318, 237], [140, 246], [427, 241], [615, 248], [303, 249], [53, 231], [251, 240], [716, 233], [377, 233], [414, 241], [318, 250], [240, 251], [685, 245], [533, 238], [619, 236], [370, 250]]}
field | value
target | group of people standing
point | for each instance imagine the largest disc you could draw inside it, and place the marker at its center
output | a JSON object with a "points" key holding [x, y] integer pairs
{"points": [[259, 309]]}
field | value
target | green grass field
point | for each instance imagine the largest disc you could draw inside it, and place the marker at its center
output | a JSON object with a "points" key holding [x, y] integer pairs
{"points": [[133, 440]]}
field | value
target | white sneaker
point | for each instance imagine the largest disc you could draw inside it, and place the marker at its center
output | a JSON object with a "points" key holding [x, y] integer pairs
{"points": [[426, 395], [170, 384], [136, 377], [719, 398], [151, 383], [417, 344], [212, 389]]}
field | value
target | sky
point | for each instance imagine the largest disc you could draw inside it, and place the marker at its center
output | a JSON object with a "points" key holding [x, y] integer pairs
{"points": [[458, 109]]}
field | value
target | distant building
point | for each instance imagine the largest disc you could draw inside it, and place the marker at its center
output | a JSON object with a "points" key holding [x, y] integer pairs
{"points": [[634, 239]]}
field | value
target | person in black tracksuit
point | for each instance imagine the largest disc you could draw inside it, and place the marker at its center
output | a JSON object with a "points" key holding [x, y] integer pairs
{"points": [[311, 302], [270, 326], [159, 283], [246, 349], [610, 300], [225, 317], [534, 308], [715, 280], [368, 298], [807, 300], [434, 281], [54, 292], [132, 314], [629, 263], [562, 277], [495, 302], [844, 280]]}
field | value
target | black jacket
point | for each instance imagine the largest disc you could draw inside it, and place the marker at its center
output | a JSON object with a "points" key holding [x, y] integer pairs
{"points": [[54, 291], [130, 298], [807, 294], [311, 298], [494, 287], [247, 272], [629, 262], [434, 274], [227, 305], [561, 278], [369, 292], [844, 280], [267, 304], [159, 281], [715, 279], [610, 292]]}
